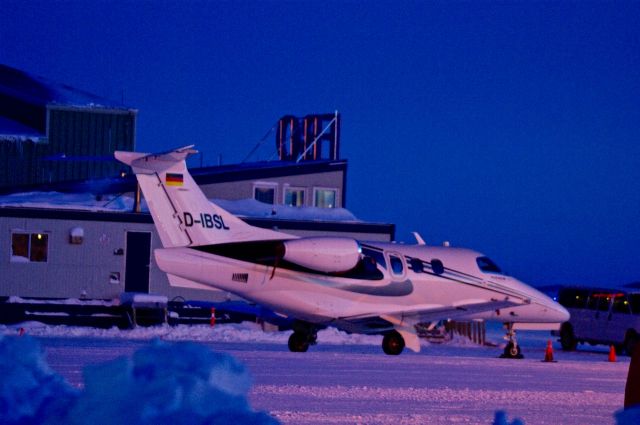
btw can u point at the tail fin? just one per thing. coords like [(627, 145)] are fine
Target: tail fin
[(182, 214)]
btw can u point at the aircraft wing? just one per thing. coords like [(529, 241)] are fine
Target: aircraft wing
[(462, 311), (404, 321), (420, 315)]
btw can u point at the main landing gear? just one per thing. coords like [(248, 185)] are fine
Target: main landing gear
[(392, 343), (302, 337), (512, 349)]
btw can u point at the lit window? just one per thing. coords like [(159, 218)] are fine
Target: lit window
[(29, 247), (294, 197), (325, 198), (265, 193)]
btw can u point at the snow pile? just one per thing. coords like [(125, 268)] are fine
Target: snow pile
[(501, 419), (334, 336), (242, 207), (72, 201), (629, 416), (241, 332), (161, 383), (29, 390)]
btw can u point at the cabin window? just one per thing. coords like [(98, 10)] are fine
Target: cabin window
[(294, 196), (487, 266), (376, 255), (437, 266), (265, 193), (416, 265), (29, 247), (325, 198), (396, 265)]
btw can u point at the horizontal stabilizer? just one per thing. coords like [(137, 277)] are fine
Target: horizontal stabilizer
[(181, 212), (146, 163)]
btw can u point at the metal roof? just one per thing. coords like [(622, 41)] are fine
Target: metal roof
[(25, 97)]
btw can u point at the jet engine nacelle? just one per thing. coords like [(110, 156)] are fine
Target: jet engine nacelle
[(323, 254)]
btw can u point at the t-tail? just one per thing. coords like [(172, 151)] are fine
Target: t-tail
[(181, 212)]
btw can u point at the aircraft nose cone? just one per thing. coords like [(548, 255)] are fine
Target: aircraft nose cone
[(561, 314)]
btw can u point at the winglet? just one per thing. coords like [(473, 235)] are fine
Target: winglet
[(419, 239)]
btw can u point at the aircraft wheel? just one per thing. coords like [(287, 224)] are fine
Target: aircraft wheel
[(298, 342), (393, 343), (512, 351), (567, 338)]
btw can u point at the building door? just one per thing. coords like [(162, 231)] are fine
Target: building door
[(136, 272)]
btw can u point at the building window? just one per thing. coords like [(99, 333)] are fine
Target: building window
[(294, 196), (325, 198), (265, 192), (29, 247)]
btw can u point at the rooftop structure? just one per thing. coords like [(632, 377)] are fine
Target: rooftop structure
[(51, 132)]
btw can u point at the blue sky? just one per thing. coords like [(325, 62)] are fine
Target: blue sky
[(509, 127)]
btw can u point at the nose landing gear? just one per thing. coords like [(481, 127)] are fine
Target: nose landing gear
[(512, 349)]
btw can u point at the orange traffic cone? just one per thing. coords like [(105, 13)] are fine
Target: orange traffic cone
[(548, 352), (612, 354), (213, 317)]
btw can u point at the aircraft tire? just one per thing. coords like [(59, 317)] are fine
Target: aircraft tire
[(512, 351), (393, 343), (567, 338), (298, 342)]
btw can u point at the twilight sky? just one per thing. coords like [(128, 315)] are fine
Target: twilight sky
[(509, 127)]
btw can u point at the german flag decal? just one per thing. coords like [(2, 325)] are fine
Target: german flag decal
[(173, 179)]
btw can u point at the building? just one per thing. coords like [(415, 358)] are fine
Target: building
[(51, 132), (75, 246), (82, 231)]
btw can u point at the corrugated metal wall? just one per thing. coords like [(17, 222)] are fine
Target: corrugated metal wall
[(87, 137), (20, 162), (88, 133)]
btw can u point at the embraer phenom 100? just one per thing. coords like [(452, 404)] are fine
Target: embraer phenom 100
[(359, 287)]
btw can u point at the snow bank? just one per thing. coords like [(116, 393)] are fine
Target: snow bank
[(72, 201), (241, 332), (241, 207), (501, 419), (629, 416), (30, 391), (161, 383)]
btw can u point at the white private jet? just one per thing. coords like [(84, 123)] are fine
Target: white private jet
[(359, 287)]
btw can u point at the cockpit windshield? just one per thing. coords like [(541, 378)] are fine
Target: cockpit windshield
[(487, 265)]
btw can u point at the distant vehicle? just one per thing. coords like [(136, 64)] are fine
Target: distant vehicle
[(359, 287), (600, 316)]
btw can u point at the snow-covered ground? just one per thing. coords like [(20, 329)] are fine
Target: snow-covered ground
[(346, 379)]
